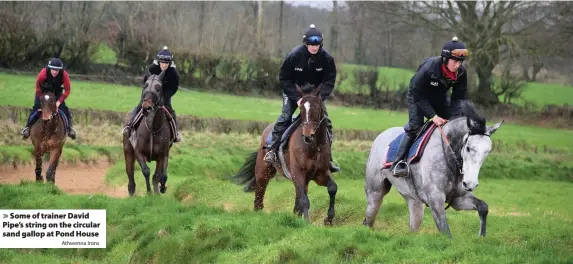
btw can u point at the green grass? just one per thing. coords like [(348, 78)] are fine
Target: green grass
[(91, 95), (205, 218), (546, 93)]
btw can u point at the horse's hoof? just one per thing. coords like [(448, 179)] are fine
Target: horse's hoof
[(328, 222), (162, 189)]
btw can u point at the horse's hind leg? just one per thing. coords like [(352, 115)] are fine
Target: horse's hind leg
[(263, 173), (470, 202), (38, 170), (375, 192), (416, 210), (54, 161)]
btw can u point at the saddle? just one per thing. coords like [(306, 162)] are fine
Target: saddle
[(416, 150), (139, 117)]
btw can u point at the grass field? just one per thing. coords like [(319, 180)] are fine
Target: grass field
[(204, 218), (18, 91)]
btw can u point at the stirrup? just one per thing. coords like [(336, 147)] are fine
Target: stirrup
[(268, 156), (407, 168)]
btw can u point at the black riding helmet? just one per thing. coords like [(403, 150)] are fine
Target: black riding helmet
[(454, 49), (312, 36), (55, 64), (164, 56)]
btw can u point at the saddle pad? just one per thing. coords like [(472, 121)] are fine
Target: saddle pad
[(416, 150)]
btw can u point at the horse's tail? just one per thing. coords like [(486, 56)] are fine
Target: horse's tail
[(247, 173)]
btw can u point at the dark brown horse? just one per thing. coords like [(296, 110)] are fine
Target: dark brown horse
[(151, 140), (48, 134), (306, 159)]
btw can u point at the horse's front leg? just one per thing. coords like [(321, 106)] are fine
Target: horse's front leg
[(38, 170), (158, 173), (163, 176), (436, 204), (54, 161), (469, 202), (332, 189), (302, 203), (144, 169)]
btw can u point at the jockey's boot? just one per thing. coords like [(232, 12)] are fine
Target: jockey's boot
[(333, 168), (177, 135), (271, 156), (127, 129), (71, 130), (399, 167), (25, 133), (31, 120)]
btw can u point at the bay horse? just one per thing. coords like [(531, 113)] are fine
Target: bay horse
[(307, 157), (150, 141), (447, 171), (48, 135)]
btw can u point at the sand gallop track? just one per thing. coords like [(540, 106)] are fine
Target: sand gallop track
[(72, 179)]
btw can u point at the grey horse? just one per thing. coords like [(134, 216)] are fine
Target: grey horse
[(445, 173)]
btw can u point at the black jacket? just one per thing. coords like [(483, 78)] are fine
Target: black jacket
[(170, 81), (429, 88), (299, 66)]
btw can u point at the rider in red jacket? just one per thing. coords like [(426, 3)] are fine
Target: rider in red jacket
[(55, 79)]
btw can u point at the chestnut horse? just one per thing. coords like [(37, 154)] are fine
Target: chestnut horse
[(306, 158), (48, 134)]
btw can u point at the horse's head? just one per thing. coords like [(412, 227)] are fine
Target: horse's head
[(476, 145), (152, 91), (48, 105), (311, 111)]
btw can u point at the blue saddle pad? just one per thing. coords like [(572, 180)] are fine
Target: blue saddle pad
[(416, 150)]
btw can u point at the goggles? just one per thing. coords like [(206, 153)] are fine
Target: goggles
[(459, 53), (314, 40), (164, 58)]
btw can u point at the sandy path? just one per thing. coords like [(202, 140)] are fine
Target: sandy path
[(72, 179)]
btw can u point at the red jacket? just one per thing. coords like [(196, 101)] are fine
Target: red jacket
[(54, 83)]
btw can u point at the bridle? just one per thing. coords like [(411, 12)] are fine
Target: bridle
[(307, 122)]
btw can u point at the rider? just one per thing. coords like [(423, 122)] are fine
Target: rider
[(428, 95), (308, 62), (51, 78), (170, 83)]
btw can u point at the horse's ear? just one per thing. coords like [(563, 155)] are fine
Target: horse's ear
[(317, 91), (298, 89), (161, 75), (147, 73), (492, 129)]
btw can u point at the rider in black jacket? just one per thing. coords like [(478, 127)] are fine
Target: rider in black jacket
[(311, 63), (428, 95), (170, 84)]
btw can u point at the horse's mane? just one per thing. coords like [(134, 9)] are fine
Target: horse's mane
[(467, 109)]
